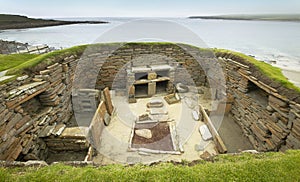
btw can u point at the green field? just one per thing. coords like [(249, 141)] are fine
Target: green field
[(245, 167)]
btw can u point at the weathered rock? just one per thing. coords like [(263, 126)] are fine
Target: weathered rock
[(58, 129), (145, 133), (205, 133), (155, 104), (33, 163), (181, 88), (144, 117), (269, 108), (195, 115)]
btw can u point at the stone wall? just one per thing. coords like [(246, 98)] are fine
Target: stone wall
[(8, 47), (112, 62), (267, 112), (42, 97), (30, 104)]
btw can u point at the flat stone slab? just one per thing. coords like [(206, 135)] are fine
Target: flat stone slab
[(155, 104), (205, 133), (18, 91), (163, 117), (3, 78), (2, 73), (195, 115), (140, 69), (58, 129), (160, 67), (75, 132), (47, 131), (158, 111)]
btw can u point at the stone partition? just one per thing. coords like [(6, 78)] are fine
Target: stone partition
[(268, 113)]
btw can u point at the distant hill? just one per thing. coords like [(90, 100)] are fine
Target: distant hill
[(18, 22), (267, 17)]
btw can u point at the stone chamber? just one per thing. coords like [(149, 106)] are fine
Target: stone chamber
[(60, 109)]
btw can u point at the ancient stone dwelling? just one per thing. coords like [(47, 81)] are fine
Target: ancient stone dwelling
[(37, 107)]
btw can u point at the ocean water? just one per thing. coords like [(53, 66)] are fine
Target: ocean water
[(268, 41)]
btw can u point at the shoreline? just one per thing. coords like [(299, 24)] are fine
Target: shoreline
[(292, 75), (270, 18), (46, 24), (8, 22)]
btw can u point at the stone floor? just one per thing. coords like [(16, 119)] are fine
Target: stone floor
[(115, 138), (233, 137)]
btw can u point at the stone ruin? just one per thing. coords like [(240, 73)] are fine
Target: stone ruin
[(37, 108)]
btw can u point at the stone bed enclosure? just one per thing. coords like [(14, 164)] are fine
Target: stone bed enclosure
[(36, 108)]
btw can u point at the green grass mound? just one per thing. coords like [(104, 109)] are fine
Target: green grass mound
[(244, 167), (46, 58), (18, 63), (13, 60), (270, 71)]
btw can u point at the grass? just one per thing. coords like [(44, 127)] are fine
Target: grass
[(48, 58), (268, 70), (13, 60), (16, 68), (244, 167)]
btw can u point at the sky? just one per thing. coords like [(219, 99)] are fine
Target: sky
[(145, 8)]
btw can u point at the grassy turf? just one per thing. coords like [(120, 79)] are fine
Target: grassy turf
[(245, 167), (270, 71), (46, 58), (13, 60)]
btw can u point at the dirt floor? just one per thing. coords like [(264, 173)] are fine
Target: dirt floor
[(66, 156), (233, 136), (161, 137)]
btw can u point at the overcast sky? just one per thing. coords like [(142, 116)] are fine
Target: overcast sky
[(145, 8)]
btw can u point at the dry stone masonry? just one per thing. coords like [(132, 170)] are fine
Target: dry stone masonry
[(267, 113), (36, 108)]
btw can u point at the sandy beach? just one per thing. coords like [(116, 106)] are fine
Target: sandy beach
[(293, 76)]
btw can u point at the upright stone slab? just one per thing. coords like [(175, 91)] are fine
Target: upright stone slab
[(131, 95), (151, 89), (108, 102)]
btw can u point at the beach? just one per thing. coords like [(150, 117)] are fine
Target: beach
[(293, 76)]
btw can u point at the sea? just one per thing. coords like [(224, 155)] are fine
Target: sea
[(274, 42)]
